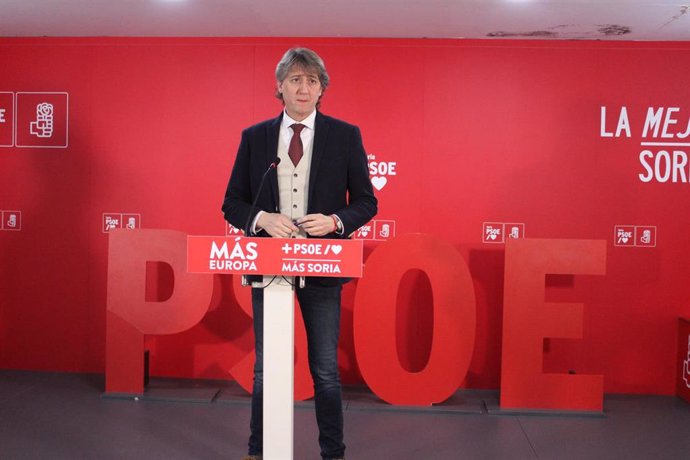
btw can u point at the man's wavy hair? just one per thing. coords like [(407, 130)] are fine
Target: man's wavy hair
[(306, 59)]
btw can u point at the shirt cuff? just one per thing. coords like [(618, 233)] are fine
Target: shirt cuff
[(253, 230)]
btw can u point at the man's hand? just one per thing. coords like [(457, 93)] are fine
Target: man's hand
[(317, 224), (277, 225)]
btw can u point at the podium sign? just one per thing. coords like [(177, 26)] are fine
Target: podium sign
[(274, 256)]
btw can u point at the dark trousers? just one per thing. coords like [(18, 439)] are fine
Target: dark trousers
[(320, 306)]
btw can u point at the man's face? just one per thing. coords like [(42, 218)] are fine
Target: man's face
[(301, 90)]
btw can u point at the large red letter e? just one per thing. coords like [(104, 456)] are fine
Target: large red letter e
[(528, 319)]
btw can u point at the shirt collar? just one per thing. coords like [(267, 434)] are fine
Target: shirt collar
[(308, 122)]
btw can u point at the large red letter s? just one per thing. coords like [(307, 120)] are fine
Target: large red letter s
[(130, 316), (528, 319)]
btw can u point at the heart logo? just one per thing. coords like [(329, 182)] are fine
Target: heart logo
[(336, 248), (379, 182)]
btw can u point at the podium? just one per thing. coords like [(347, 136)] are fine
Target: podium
[(283, 262)]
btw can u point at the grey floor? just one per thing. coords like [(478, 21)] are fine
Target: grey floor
[(66, 416)]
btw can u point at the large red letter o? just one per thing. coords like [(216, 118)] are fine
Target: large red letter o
[(374, 320)]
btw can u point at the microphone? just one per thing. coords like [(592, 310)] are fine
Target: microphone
[(271, 167)]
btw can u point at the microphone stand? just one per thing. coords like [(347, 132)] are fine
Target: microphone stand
[(272, 166)]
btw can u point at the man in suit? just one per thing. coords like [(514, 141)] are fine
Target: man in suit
[(320, 188)]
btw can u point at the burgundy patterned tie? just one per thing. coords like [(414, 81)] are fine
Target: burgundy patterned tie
[(295, 151)]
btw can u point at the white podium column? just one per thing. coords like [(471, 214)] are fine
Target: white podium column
[(279, 338)]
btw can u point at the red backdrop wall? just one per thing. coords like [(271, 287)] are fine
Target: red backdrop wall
[(476, 131)]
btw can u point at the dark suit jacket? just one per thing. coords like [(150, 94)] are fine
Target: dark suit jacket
[(338, 179)]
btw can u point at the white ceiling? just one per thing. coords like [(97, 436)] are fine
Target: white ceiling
[(550, 19)]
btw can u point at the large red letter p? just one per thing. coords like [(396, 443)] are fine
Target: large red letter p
[(130, 316)]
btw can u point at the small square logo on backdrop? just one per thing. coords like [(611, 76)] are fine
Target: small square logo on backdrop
[(111, 221), (493, 232), (42, 120), (114, 220), (12, 220), (365, 232), (624, 235), (131, 221), (385, 229), (514, 231), (645, 236)]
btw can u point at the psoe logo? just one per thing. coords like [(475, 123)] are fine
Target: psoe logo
[(241, 256), (646, 236), (113, 221), (376, 230), (385, 229), (514, 231), (624, 235), (365, 232), (42, 120), (380, 171), (493, 232), (11, 220), (640, 236), (42, 126)]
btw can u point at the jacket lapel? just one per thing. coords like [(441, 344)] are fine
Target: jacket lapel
[(318, 150), (271, 154)]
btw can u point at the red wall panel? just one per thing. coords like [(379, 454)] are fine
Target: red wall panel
[(476, 131)]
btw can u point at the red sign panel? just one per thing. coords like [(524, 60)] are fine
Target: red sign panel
[(6, 119), (42, 120), (274, 256)]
